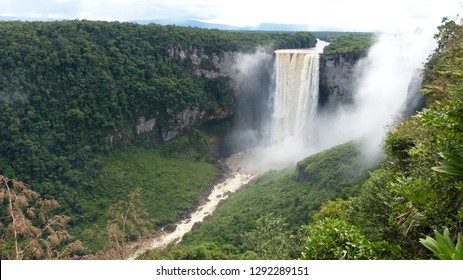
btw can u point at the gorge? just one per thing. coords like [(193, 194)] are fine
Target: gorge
[(293, 119), (286, 200), (94, 113), (295, 102)]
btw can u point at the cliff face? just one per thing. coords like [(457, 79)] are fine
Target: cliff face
[(249, 77), (189, 118), (211, 66), (200, 64), (337, 77)]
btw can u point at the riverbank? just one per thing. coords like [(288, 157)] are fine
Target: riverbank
[(231, 177), (164, 238)]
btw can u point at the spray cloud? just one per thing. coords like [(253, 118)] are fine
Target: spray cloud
[(385, 80), (252, 73)]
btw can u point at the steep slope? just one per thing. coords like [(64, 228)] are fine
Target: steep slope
[(420, 199)]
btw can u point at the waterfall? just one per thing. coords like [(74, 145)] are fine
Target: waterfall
[(296, 95), (290, 131)]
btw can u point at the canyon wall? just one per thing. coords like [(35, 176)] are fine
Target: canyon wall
[(337, 76)]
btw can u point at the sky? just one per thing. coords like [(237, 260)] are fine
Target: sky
[(350, 15)]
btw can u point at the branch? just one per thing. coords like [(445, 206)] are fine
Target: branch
[(13, 219)]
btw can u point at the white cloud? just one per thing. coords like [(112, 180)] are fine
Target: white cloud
[(346, 14)]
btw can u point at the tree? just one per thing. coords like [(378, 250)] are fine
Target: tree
[(335, 209), (126, 221), (28, 229), (271, 239), (332, 239)]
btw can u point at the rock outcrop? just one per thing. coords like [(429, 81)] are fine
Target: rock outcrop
[(145, 125), (202, 64), (209, 65), (337, 79)]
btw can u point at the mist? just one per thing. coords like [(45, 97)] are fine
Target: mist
[(387, 83), (253, 73), (387, 87)]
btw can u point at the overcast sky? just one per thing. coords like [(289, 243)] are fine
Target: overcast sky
[(355, 15)]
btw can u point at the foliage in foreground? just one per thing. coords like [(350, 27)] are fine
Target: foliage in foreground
[(126, 221), (203, 251), (28, 227), (443, 246), (271, 239), (332, 239)]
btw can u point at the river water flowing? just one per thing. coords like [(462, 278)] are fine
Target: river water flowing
[(237, 178)]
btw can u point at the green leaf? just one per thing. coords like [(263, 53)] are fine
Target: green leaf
[(443, 246), (453, 165)]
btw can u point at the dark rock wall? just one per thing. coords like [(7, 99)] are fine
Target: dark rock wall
[(337, 79)]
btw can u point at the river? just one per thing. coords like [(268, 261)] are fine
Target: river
[(238, 177)]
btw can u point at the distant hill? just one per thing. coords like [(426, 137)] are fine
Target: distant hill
[(188, 23), (201, 24), (260, 27), (8, 18)]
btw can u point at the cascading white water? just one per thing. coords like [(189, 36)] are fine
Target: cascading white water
[(295, 101), (296, 95)]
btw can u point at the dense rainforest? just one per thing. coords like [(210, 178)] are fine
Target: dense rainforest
[(72, 94), (351, 43), (409, 206)]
